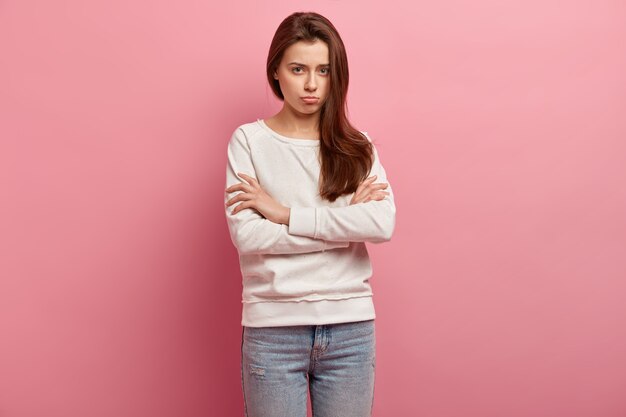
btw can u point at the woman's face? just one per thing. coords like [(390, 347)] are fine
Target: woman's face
[(304, 71)]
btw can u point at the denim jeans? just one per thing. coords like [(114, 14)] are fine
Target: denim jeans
[(336, 362)]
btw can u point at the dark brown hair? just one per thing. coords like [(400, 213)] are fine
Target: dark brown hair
[(346, 155)]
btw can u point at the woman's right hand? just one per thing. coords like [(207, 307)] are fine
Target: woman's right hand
[(367, 191)]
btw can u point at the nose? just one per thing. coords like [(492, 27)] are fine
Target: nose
[(311, 83)]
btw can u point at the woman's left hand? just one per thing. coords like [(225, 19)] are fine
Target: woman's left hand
[(253, 196)]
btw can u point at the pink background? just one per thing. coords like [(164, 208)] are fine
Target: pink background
[(502, 127)]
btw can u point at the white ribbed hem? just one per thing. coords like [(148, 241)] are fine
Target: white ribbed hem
[(302, 221), (296, 313)]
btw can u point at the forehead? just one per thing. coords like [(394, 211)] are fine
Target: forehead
[(305, 52)]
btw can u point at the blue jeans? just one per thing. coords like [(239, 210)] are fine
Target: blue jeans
[(335, 361)]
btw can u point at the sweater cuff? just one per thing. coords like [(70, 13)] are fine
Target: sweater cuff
[(302, 221)]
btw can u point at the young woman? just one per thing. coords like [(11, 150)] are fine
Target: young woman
[(301, 201)]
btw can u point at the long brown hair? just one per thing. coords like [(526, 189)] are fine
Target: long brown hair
[(346, 155)]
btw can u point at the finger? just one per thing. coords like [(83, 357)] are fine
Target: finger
[(250, 179), (364, 184), (375, 187), (360, 195), (359, 189), (357, 197), (240, 207), (241, 186), (233, 187), (361, 198), (382, 194), (379, 186), (379, 195), (238, 197), (367, 181), (375, 195)]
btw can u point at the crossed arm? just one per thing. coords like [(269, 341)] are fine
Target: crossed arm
[(300, 229)]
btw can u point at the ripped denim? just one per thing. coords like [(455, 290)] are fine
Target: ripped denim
[(335, 362)]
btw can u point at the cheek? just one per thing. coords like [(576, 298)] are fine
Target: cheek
[(290, 84), (326, 86)]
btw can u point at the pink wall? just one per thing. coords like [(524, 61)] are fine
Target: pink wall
[(501, 124)]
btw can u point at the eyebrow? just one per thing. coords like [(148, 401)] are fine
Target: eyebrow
[(302, 65)]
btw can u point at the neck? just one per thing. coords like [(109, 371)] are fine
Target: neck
[(298, 122)]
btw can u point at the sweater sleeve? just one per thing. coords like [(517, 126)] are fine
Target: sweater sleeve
[(372, 221), (250, 232)]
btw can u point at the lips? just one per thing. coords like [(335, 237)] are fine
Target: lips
[(310, 99)]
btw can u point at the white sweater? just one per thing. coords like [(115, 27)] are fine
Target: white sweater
[(316, 270)]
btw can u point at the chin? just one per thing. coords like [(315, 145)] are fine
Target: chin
[(311, 111)]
